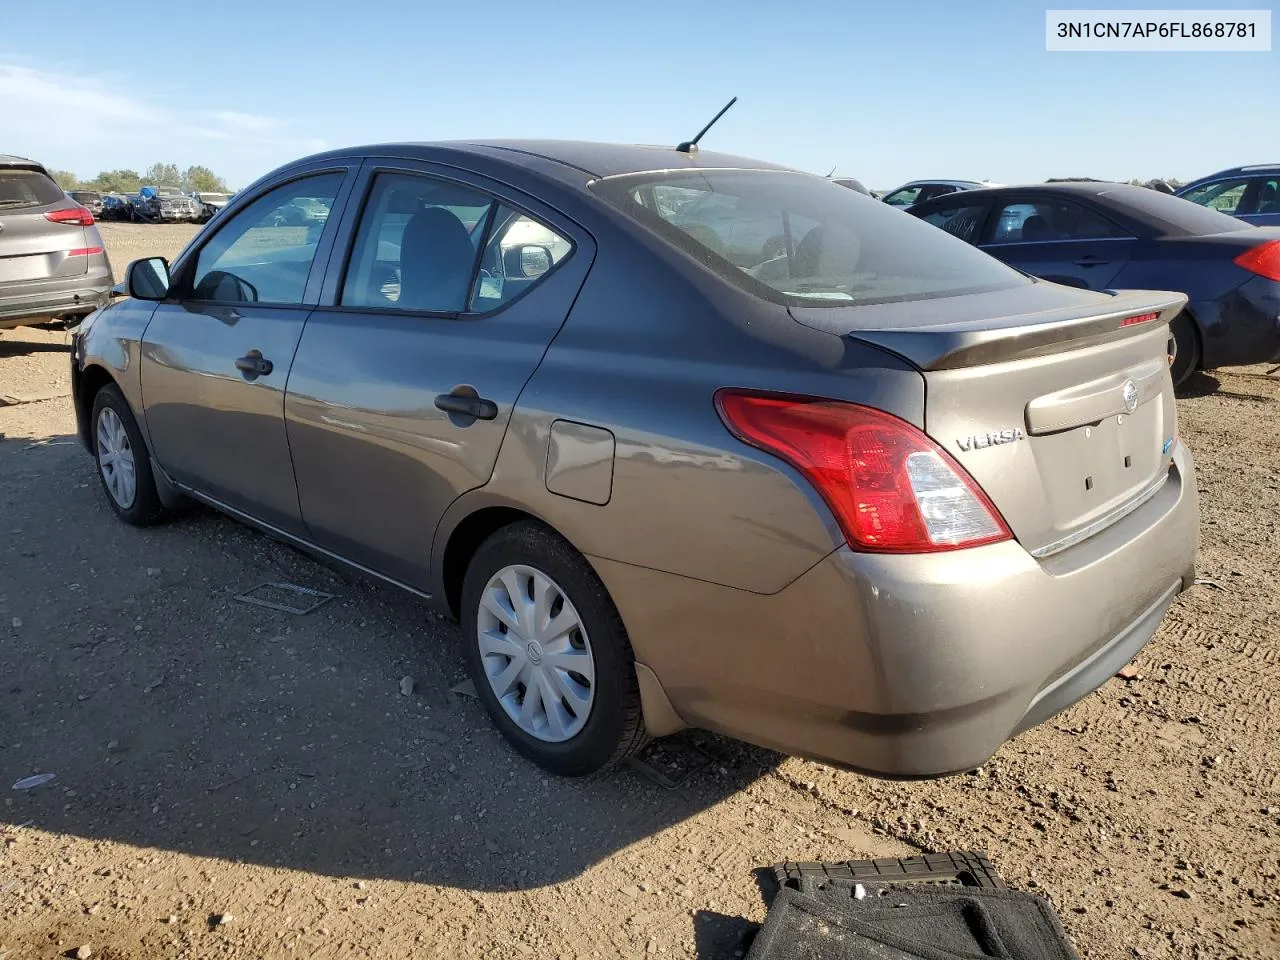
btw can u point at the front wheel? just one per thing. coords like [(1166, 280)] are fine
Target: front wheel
[(124, 466), (548, 653)]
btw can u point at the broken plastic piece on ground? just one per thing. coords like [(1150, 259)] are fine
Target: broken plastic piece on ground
[(30, 783)]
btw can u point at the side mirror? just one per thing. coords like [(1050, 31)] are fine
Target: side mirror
[(147, 279), (527, 260)]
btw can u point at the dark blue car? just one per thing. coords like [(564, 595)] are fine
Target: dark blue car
[(1107, 236), (1250, 193)]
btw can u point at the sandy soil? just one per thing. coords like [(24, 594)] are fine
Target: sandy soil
[(235, 781)]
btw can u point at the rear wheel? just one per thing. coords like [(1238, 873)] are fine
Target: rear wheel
[(1186, 338), (124, 466), (548, 653)]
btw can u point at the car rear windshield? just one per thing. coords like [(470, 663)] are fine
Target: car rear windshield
[(1172, 216), (85, 196), (802, 240), (27, 188)]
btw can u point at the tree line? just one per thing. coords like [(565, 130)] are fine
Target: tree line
[(196, 178)]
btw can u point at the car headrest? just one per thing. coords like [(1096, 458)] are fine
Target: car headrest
[(435, 262)]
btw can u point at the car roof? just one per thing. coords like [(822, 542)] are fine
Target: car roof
[(1248, 170), (9, 160), (950, 183), (571, 160)]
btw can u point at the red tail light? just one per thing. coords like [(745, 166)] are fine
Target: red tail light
[(1264, 260), (1140, 318), (77, 215), (84, 251), (891, 488)]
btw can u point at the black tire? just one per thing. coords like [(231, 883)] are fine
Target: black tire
[(1187, 339), (614, 729), (146, 508)]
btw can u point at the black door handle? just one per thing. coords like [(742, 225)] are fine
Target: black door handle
[(464, 406), (1091, 262), (254, 365)]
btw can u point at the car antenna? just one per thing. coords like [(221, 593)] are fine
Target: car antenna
[(691, 145), (831, 171)]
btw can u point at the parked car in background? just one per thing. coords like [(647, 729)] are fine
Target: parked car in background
[(209, 203), (846, 500), (52, 262), (116, 206), (91, 200), (918, 191), (162, 203), (1105, 236), (852, 184), (1251, 194)]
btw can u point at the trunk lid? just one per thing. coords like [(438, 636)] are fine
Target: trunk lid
[(33, 248), (1061, 410)]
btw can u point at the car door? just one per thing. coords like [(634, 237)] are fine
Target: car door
[(1260, 204), (438, 306), (1058, 239), (217, 352)]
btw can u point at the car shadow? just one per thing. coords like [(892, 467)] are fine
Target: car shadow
[(1199, 384), (11, 346), (719, 936), (175, 716)]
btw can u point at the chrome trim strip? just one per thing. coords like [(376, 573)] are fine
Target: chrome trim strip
[(1104, 521)]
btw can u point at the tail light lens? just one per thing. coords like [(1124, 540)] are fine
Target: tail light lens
[(76, 215), (1264, 260), (84, 251), (891, 488)]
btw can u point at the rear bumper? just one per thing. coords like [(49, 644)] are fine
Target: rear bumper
[(914, 666), (1243, 327), (45, 300)]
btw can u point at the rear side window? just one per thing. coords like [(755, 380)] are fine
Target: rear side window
[(1046, 221), (963, 222), (803, 240), (27, 188), (518, 253), (416, 245)]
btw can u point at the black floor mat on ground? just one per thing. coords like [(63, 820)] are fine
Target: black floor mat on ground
[(938, 923)]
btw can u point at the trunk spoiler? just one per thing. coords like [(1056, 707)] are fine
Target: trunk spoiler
[(1018, 335)]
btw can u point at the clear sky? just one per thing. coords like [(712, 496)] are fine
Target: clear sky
[(882, 91)]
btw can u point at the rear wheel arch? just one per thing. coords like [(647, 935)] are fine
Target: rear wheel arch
[(465, 539), (1183, 326)]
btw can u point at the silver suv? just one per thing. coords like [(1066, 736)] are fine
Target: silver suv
[(52, 262)]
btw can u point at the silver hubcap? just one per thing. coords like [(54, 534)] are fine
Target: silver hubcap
[(536, 654), (115, 459)]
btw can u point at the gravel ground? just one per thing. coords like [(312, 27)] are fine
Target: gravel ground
[(232, 780)]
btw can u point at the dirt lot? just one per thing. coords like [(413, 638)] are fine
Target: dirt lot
[(218, 761)]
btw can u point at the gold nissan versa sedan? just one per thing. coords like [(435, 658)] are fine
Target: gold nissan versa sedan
[(680, 438)]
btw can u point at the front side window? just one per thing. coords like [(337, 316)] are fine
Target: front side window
[(904, 197), (1221, 195), (416, 245), (963, 222), (803, 240), (1045, 221), (264, 253)]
